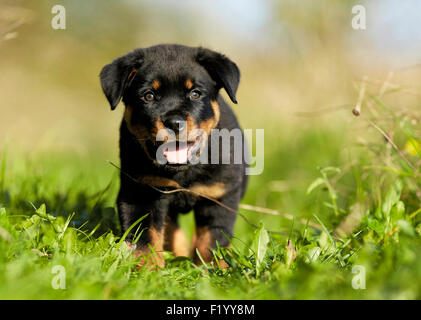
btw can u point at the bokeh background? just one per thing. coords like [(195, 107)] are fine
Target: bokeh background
[(303, 67), (293, 58)]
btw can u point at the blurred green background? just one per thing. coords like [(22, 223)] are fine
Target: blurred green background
[(293, 58), (303, 68)]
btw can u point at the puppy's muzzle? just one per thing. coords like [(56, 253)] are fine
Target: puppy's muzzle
[(176, 124)]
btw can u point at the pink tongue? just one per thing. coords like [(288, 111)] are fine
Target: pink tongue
[(177, 155)]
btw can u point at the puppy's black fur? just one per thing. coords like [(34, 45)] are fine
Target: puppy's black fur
[(157, 85)]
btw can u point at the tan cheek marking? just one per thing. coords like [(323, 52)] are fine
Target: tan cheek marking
[(188, 84), (216, 111), (191, 124), (156, 84), (216, 190), (128, 115), (139, 131), (207, 125), (159, 125), (211, 123)]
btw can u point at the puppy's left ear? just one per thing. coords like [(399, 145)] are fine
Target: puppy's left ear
[(221, 69), (116, 76)]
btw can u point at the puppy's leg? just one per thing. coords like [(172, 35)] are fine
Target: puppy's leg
[(212, 221), (150, 244), (175, 239)]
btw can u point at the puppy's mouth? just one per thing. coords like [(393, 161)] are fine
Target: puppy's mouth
[(175, 152), (180, 152)]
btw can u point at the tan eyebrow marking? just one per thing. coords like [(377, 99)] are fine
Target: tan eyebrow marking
[(156, 84), (188, 84)]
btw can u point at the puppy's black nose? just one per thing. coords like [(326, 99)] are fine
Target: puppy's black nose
[(175, 123)]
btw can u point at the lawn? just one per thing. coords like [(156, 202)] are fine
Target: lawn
[(336, 212), (345, 220)]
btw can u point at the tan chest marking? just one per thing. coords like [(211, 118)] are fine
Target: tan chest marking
[(216, 190), (159, 182)]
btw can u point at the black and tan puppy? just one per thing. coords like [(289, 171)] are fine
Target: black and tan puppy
[(174, 87)]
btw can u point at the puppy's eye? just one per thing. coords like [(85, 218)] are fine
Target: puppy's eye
[(149, 96), (195, 94)]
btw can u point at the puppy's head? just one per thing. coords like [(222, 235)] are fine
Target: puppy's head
[(170, 93)]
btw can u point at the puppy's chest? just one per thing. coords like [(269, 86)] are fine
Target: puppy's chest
[(182, 202)]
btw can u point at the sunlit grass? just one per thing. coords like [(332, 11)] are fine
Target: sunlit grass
[(355, 199)]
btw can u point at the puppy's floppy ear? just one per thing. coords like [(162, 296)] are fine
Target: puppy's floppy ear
[(116, 76), (221, 69)]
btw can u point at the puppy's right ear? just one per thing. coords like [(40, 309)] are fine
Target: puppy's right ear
[(116, 76)]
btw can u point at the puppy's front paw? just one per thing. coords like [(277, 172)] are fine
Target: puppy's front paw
[(150, 259)]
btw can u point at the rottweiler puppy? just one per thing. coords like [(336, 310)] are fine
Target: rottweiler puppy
[(175, 89)]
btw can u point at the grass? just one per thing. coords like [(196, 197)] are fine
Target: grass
[(352, 188)]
